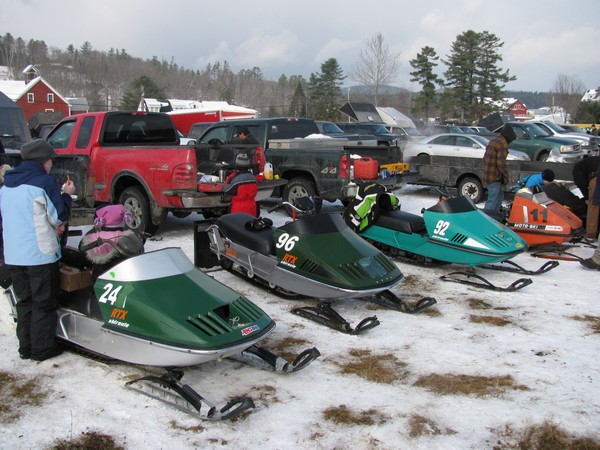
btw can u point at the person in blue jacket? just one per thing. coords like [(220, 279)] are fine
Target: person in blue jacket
[(537, 179), (33, 210)]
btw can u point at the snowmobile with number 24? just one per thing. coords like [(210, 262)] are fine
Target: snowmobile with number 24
[(157, 309)]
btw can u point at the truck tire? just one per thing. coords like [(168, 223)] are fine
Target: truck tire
[(135, 200), (300, 187), (472, 188)]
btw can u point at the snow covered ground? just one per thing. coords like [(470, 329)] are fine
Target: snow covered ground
[(519, 359)]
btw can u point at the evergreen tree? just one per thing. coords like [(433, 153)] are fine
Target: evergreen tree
[(138, 88), (324, 91), (298, 102), (473, 73), (423, 74)]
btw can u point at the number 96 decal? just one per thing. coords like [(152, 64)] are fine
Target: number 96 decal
[(286, 242)]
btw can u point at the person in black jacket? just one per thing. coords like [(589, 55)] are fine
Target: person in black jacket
[(584, 177), (593, 262)]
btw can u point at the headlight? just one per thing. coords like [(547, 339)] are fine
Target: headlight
[(566, 148)]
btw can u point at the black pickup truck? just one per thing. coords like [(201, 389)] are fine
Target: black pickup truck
[(321, 167), (466, 174)]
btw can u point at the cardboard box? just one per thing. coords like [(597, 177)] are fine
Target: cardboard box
[(72, 279)]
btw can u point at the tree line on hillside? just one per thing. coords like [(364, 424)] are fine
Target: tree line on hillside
[(116, 80)]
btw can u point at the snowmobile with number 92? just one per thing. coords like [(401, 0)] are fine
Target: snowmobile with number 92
[(157, 309)]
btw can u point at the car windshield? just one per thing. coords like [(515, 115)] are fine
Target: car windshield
[(329, 127), (480, 139), (534, 130), (378, 129), (555, 127)]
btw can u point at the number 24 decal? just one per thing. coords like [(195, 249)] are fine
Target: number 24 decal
[(441, 227), (110, 295)]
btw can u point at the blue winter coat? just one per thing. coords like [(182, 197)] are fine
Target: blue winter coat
[(32, 206)]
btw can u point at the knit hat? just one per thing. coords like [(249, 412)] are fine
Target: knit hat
[(242, 161), (37, 150), (508, 133), (112, 217)]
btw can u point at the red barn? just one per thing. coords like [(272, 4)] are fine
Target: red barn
[(34, 95), (519, 110)]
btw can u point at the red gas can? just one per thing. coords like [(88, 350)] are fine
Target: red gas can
[(366, 169)]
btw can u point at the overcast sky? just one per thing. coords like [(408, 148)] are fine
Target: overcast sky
[(541, 39)]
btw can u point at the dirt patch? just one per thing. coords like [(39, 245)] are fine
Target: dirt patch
[(490, 320), (477, 303), (380, 368), (88, 441), (593, 322), (423, 426), (343, 415), (17, 391), (479, 386), (546, 436)]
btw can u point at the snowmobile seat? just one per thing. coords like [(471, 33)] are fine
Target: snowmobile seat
[(402, 221), (234, 227)]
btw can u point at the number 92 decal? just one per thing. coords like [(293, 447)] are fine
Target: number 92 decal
[(441, 227)]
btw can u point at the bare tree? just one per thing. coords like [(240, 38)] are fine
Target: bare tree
[(567, 92), (376, 66)]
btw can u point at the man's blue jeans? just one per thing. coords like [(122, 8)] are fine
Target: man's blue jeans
[(495, 196)]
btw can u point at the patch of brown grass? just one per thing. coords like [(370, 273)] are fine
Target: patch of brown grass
[(420, 426), (15, 392), (195, 428), (490, 320), (385, 369), (343, 415), (593, 321), (546, 436), (479, 386), (88, 441), (477, 303), (286, 346)]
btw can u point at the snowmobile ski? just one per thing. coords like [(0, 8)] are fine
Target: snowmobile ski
[(557, 254), (263, 358), (473, 279), (511, 266), (324, 314), (391, 301), (168, 389)]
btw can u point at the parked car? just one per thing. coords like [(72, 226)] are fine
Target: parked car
[(383, 136), (482, 131), (332, 130), (183, 140), (409, 133), (455, 144), (430, 130), (589, 143), (542, 146)]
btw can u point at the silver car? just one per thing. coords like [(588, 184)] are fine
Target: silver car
[(455, 144)]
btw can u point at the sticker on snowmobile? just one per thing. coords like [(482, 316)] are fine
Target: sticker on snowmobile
[(110, 295), (249, 330), (286, 242), (533, 226), (441, 227), (117, 316), (230, 252), (289, 260)]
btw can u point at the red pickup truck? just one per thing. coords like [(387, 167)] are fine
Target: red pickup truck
[(137, 161)]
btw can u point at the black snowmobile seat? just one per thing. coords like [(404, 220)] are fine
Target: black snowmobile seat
[(402, 221), (234, 227)]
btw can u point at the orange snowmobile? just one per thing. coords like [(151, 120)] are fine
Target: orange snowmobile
[(541, 221)]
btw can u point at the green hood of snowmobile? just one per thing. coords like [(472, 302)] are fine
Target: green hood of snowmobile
[(188, 309), (345, 260)]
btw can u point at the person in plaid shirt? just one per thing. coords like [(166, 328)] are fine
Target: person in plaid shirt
[(495, 173)]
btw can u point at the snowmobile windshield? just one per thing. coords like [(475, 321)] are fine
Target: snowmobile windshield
[(319, 224), (454, 205)]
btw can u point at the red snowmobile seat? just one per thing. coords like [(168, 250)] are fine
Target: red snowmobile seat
[(234, 227), (402, 221)]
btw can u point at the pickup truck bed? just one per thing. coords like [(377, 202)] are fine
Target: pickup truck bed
[(466, 174)]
